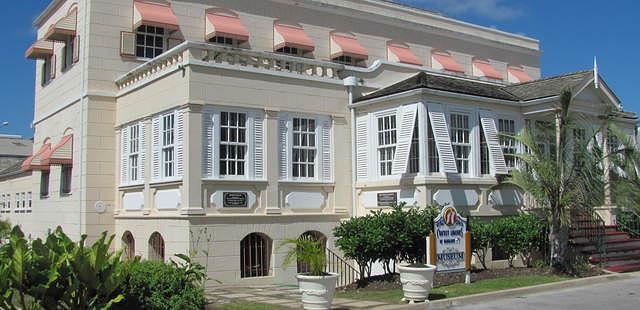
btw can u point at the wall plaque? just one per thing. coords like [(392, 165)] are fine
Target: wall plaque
[(234, 200), (387, 199)]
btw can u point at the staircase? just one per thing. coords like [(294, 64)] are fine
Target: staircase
[(611, 247)]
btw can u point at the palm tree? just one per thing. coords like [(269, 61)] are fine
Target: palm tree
[(562, 182)]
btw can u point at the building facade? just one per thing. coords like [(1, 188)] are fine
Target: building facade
[(220, 128)]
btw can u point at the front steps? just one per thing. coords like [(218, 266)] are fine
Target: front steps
[(621, 252)]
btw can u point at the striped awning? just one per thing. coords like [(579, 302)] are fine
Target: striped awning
[(291, 36), (517, 75), (39, 50), (225, 24), (444, 61), (154, 14), (64, 28), (401, 53), (61, 154), (346, 44), (483, 68), (34, 162)]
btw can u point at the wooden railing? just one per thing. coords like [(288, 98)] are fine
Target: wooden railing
[(336, 264), (193, 53)]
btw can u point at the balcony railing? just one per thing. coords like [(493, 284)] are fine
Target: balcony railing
[(193, 53)]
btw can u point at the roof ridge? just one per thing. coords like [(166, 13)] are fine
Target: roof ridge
[(550, 77)]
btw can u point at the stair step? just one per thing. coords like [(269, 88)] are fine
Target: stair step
[(608, 233), (627, 257), (623, 268)]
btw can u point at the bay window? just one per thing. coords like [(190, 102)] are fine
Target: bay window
[(460, 141), (386, 143)]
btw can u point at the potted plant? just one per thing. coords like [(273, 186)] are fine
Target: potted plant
[(416, 280), (317, 286)]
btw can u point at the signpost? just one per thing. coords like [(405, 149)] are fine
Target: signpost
[(449, 245)]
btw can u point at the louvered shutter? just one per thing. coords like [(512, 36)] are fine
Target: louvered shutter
[(155, 148), (207, 145), (325, 137), (362, 146), (142, 151), (497, 165), (258, 145), (127, 44), (283, 148), (408, 115), (179, 143), (52, 69), (442, 139), (76, 49), (124, 155)]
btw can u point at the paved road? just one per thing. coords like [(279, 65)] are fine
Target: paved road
[(614, 295)]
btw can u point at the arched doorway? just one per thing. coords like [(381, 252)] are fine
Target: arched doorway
[(128, 246), (255, 255), (316, 236), (156, 247)]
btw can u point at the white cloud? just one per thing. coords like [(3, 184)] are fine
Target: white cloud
[(492, 9)]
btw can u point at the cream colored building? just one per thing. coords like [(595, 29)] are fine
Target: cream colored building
[(220, 128)]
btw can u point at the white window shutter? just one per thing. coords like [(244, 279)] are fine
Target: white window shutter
[(441, 136), (127, 43), (283, 149), (124, 155), (155, 166), (258, 145), (362, 146), (497, 164), (207, 145), (179, 142), (142, 150), (325, 136), (405, 134)]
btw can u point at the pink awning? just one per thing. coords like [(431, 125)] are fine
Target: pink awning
[(517, 75), (61, 154), (346, 44), (291, 36), (485, 69), (34, 162), (444, 61), (402, 53), (154, 14), (64, 28), (225, 24), (40, 49)]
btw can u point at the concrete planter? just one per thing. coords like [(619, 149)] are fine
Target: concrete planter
[(317, 291), (416, 282)]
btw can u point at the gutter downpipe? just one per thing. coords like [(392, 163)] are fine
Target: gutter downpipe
[(350, 82)]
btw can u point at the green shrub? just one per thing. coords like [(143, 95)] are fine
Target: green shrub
[(480, 240), (157, 285), (517, 235)]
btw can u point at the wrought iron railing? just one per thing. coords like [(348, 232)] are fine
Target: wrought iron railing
[(628, 221), (591, 227), (336, 264)]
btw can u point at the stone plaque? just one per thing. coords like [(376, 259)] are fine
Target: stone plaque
[(235, 200), (387, 199)]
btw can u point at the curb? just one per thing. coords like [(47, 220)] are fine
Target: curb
[(477, 298)]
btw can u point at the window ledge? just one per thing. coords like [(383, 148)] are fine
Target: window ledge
[(306, 183), (131, 186), (173, 181), (233, 180)]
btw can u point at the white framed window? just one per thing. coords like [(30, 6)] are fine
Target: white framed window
[(223, 41), (134, 149), (433, 159), (293, 51), (484, 153), (3, 203), (29, 200), (387, 138), (18, 208), (150, 41), (168, 140), (304, 148), (349, 60), (460, 131), (47, 67), (507, 129), (67, 53), (8, 202), (233, 143), (414, 153)]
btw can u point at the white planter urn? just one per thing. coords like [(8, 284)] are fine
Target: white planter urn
[(317, 291), (416, 281)]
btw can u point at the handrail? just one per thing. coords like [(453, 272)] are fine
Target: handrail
[(336, 264), (593, 227), (628, 221)]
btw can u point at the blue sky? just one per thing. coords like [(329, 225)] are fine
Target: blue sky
[(571, 33)]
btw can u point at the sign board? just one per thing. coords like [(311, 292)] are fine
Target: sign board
[(387, 199), (450, 242), (234, 200)]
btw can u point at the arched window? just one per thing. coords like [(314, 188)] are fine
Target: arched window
[(316, 236), (128, 246), (255, 255), (156, 247)]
